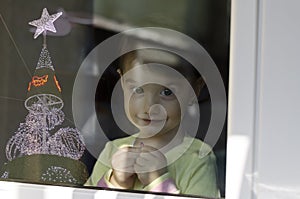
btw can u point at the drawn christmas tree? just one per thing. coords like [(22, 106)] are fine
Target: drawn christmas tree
[(34, 152)]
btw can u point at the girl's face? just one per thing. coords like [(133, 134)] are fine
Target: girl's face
[(151, 100)]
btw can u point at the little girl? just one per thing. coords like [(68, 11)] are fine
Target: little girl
[(161, 156)]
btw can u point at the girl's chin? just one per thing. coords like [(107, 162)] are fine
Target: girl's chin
[(146, 132)]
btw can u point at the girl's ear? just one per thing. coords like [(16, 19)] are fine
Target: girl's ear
[(198, 85), (119, 72), (121, 77)]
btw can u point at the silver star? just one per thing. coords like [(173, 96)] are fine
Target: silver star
[(45, 23)]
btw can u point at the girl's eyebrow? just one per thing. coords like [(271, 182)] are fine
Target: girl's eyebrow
[(172, 85), (130, 80), (169, 85)]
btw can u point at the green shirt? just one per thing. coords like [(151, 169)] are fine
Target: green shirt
[(192, 165)]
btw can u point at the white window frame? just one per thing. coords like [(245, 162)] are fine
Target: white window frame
[(242, 106)]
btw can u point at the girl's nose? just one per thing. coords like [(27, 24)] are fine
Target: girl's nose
[(150, 100)]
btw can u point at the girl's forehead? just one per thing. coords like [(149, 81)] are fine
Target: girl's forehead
[(144, 56), (152, 73), (150, 57)]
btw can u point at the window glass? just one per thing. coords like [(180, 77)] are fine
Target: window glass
[(115, 94)]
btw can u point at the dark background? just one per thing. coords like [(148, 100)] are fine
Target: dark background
[(206, 21)]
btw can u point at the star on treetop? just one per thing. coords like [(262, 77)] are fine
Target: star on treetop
[(45, 23)]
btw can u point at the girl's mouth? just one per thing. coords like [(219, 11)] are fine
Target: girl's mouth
[(154, 121)]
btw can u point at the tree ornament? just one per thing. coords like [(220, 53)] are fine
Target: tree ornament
[(45, 23), (44, 104)]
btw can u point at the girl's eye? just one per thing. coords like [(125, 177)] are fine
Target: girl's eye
[(138, 90), (166, 92)]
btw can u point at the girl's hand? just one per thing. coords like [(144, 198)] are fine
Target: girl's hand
[(150, 164), (123, 162)]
